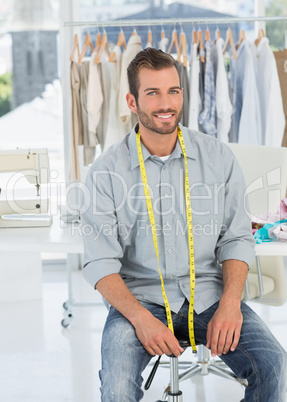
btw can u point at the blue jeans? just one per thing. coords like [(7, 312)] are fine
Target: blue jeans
[(258, 357)]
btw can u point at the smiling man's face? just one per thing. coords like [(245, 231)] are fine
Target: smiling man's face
[(160, 100)]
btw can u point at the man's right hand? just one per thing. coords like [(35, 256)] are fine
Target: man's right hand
[(156, 337)]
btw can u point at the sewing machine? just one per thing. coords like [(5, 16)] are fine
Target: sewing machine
[(24, 211)]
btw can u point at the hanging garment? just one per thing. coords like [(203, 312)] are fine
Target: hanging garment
[(281, 61), (105, 78), (94, 100), (207, 116), (134, 46), (89, 151), (246, 119), (270, 98), (77, 125), (185, 85), (115, 130), (162, 44), (223, 103), (194, 97)]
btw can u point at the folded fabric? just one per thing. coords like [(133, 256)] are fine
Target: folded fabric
[(272, 217), (272, 231)]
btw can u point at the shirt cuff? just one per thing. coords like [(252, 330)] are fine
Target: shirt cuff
[(237, 251), (93, 271)]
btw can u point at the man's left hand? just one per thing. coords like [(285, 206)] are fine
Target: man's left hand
[(223, 330)]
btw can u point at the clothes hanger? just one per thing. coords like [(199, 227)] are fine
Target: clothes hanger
[(217, 34), (200, 45), (162, 33), (183, 47), (149, 36), (174, 42), (98, 41), (194, 36), (229, 40), (261, 34), (207, 34), (104, 44), (134, 32), (121, 42), (242, 37), (75, 48), (88, 43)]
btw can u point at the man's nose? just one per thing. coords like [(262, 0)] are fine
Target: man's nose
[(165, 102)]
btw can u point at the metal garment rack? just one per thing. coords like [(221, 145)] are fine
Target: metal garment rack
[(66, 44), (171, 21)]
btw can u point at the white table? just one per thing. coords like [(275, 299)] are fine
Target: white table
[(60, 237), (21, 265), (277, 248)]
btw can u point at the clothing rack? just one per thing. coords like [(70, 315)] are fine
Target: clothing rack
[(170, 21)]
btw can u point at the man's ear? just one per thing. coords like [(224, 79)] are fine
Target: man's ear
[(131, 102)]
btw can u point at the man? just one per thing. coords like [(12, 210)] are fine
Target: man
[(140, 210)]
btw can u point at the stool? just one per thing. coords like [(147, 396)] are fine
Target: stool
[(203, 366)]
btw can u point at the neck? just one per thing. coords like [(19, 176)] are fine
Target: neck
[(158, 144)]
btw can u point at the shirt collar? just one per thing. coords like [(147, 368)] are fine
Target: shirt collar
[(177, 152)]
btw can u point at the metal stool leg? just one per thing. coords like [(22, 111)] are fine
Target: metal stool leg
[(174, 395)]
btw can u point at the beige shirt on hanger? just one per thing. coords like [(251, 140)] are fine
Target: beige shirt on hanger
[(94, 100), (77, 124), (89, 151), (134, 46), (115, 130), (105, 78)]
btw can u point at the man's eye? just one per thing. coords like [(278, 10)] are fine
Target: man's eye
[(151, 93), (174, 91)]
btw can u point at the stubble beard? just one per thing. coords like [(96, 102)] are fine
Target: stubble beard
[(148, 123)]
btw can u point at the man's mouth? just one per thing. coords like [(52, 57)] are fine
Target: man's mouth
[(164, 116)]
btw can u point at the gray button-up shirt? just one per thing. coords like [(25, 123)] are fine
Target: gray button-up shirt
[(117, 231)]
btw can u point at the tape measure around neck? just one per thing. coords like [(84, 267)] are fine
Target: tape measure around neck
[(190, 237)]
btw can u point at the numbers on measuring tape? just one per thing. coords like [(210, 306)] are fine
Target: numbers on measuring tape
[(190, 237)]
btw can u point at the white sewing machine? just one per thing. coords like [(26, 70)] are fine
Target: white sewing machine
[(23, 211)]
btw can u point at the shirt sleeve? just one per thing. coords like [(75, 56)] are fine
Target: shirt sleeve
[(236, 240), (100, 228)]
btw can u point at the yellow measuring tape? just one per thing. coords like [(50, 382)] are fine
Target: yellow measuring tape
[(190, 237)]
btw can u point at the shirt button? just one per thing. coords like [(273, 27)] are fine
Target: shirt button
[(166, 195), (164, 167), (169, 250)]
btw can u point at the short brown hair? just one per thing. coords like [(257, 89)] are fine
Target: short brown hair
[(154, 59)]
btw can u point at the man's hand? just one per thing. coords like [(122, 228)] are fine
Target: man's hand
[(155, 337), (223, 330)]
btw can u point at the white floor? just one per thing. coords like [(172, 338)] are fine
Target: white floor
[(42, 362)]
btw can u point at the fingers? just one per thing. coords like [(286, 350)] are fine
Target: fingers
[(161, 342), (162, 347), (236, 338), (222, 339)]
